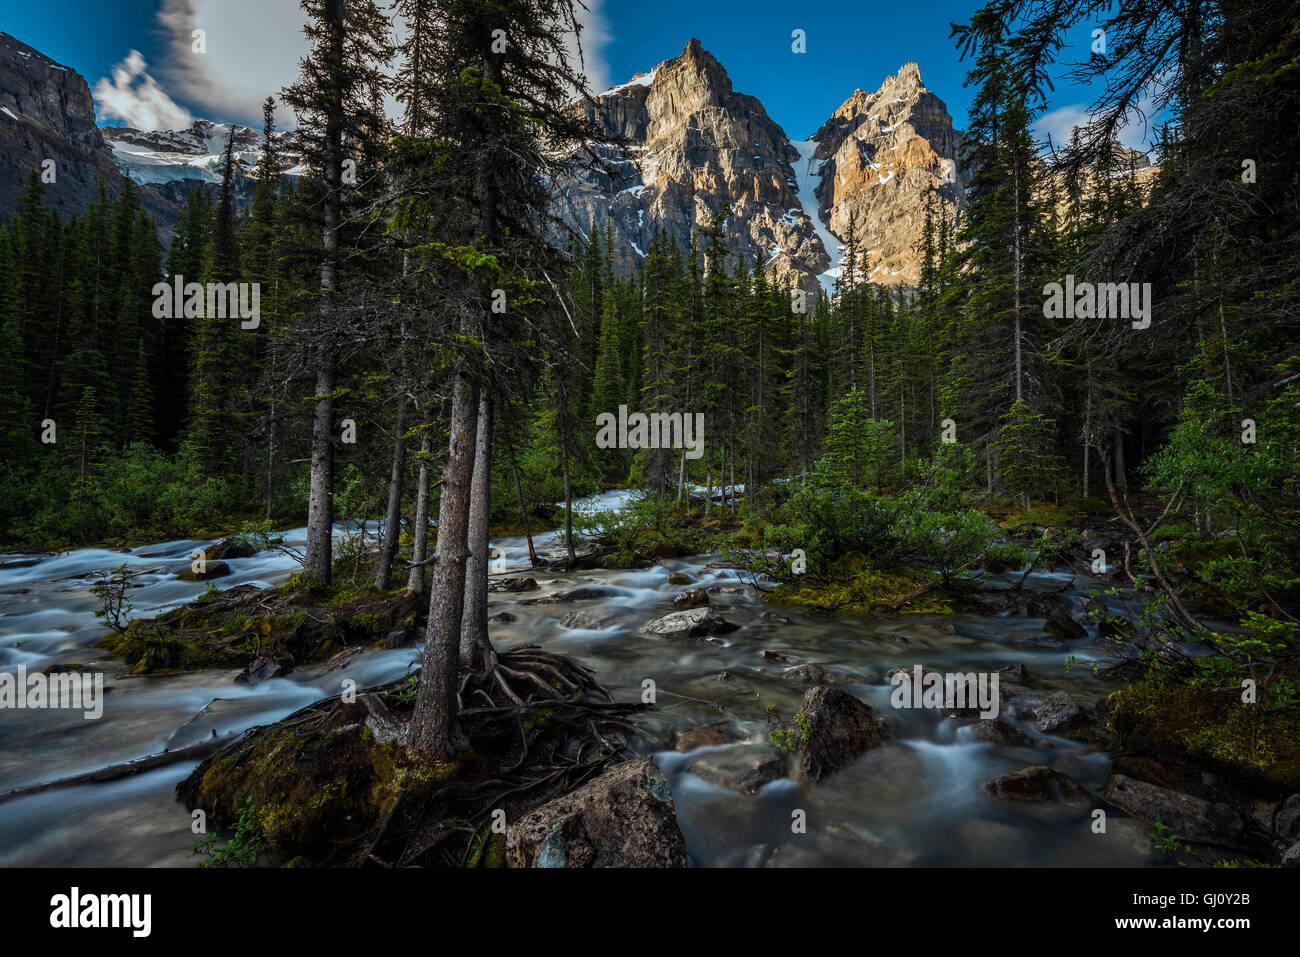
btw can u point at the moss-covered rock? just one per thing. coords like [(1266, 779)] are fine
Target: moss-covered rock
[(1171, 712)]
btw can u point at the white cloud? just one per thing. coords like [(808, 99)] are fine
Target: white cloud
[(1061, 122), (594, 38), (132, 95), (252, 49), (1134, 131)]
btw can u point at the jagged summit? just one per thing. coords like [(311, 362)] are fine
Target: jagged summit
[(695, 144)]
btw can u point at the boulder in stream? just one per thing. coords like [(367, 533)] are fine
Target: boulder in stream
[(211, 570), (831, 729), (623, 818), (1060, 623), (1039, 785), (1002, 733), (692, 598), (1059, 714), (513, 584), (694, 623), (229, 548), (262, 669)]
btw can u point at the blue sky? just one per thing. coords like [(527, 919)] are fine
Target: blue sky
[(253, 47)]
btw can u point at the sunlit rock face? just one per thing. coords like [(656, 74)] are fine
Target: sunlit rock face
[(692, 144)]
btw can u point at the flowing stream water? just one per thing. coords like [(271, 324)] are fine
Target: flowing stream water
[(916, 800)]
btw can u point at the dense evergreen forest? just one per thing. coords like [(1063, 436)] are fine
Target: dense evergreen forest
[(432, 345)]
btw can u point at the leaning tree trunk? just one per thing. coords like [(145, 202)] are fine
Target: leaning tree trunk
[(435, 726), (393, 516), (474, 630), (415, 580)]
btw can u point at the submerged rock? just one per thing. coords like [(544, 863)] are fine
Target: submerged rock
[(594, 619), (695, 623), (832, 728), (709, 736), (623, 818), (586, 593), (744, 770)]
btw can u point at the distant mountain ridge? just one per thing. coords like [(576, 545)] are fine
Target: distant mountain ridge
[(693, 145)]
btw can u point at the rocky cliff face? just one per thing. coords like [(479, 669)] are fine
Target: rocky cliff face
[(47, 113), (693, 145), (883, 154)]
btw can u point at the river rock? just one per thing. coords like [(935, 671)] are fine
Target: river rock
[(831, 729), (399, 638), (1017, 673), (809, 673), (1001, 733), (1040, 785), (229, 548), (680, 578), (1185, 814), (342, 660), (1059, 714), (744, 770), (594, 619), (709, 736), (262, 669), (695, 623), (211, 570), (502, 618), (1060, 623), (586, 593), (694, 598), (513, 584), (623, 818), (1286, 823), (1292, 857)]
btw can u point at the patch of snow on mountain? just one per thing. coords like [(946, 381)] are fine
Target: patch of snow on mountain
[(807, 171), (644, 79)]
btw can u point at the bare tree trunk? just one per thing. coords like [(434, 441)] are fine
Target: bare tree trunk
[(393, 516), (435, 726), (320, 504), (474, 630), (523, 509), (571, 557), (415, 580)]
